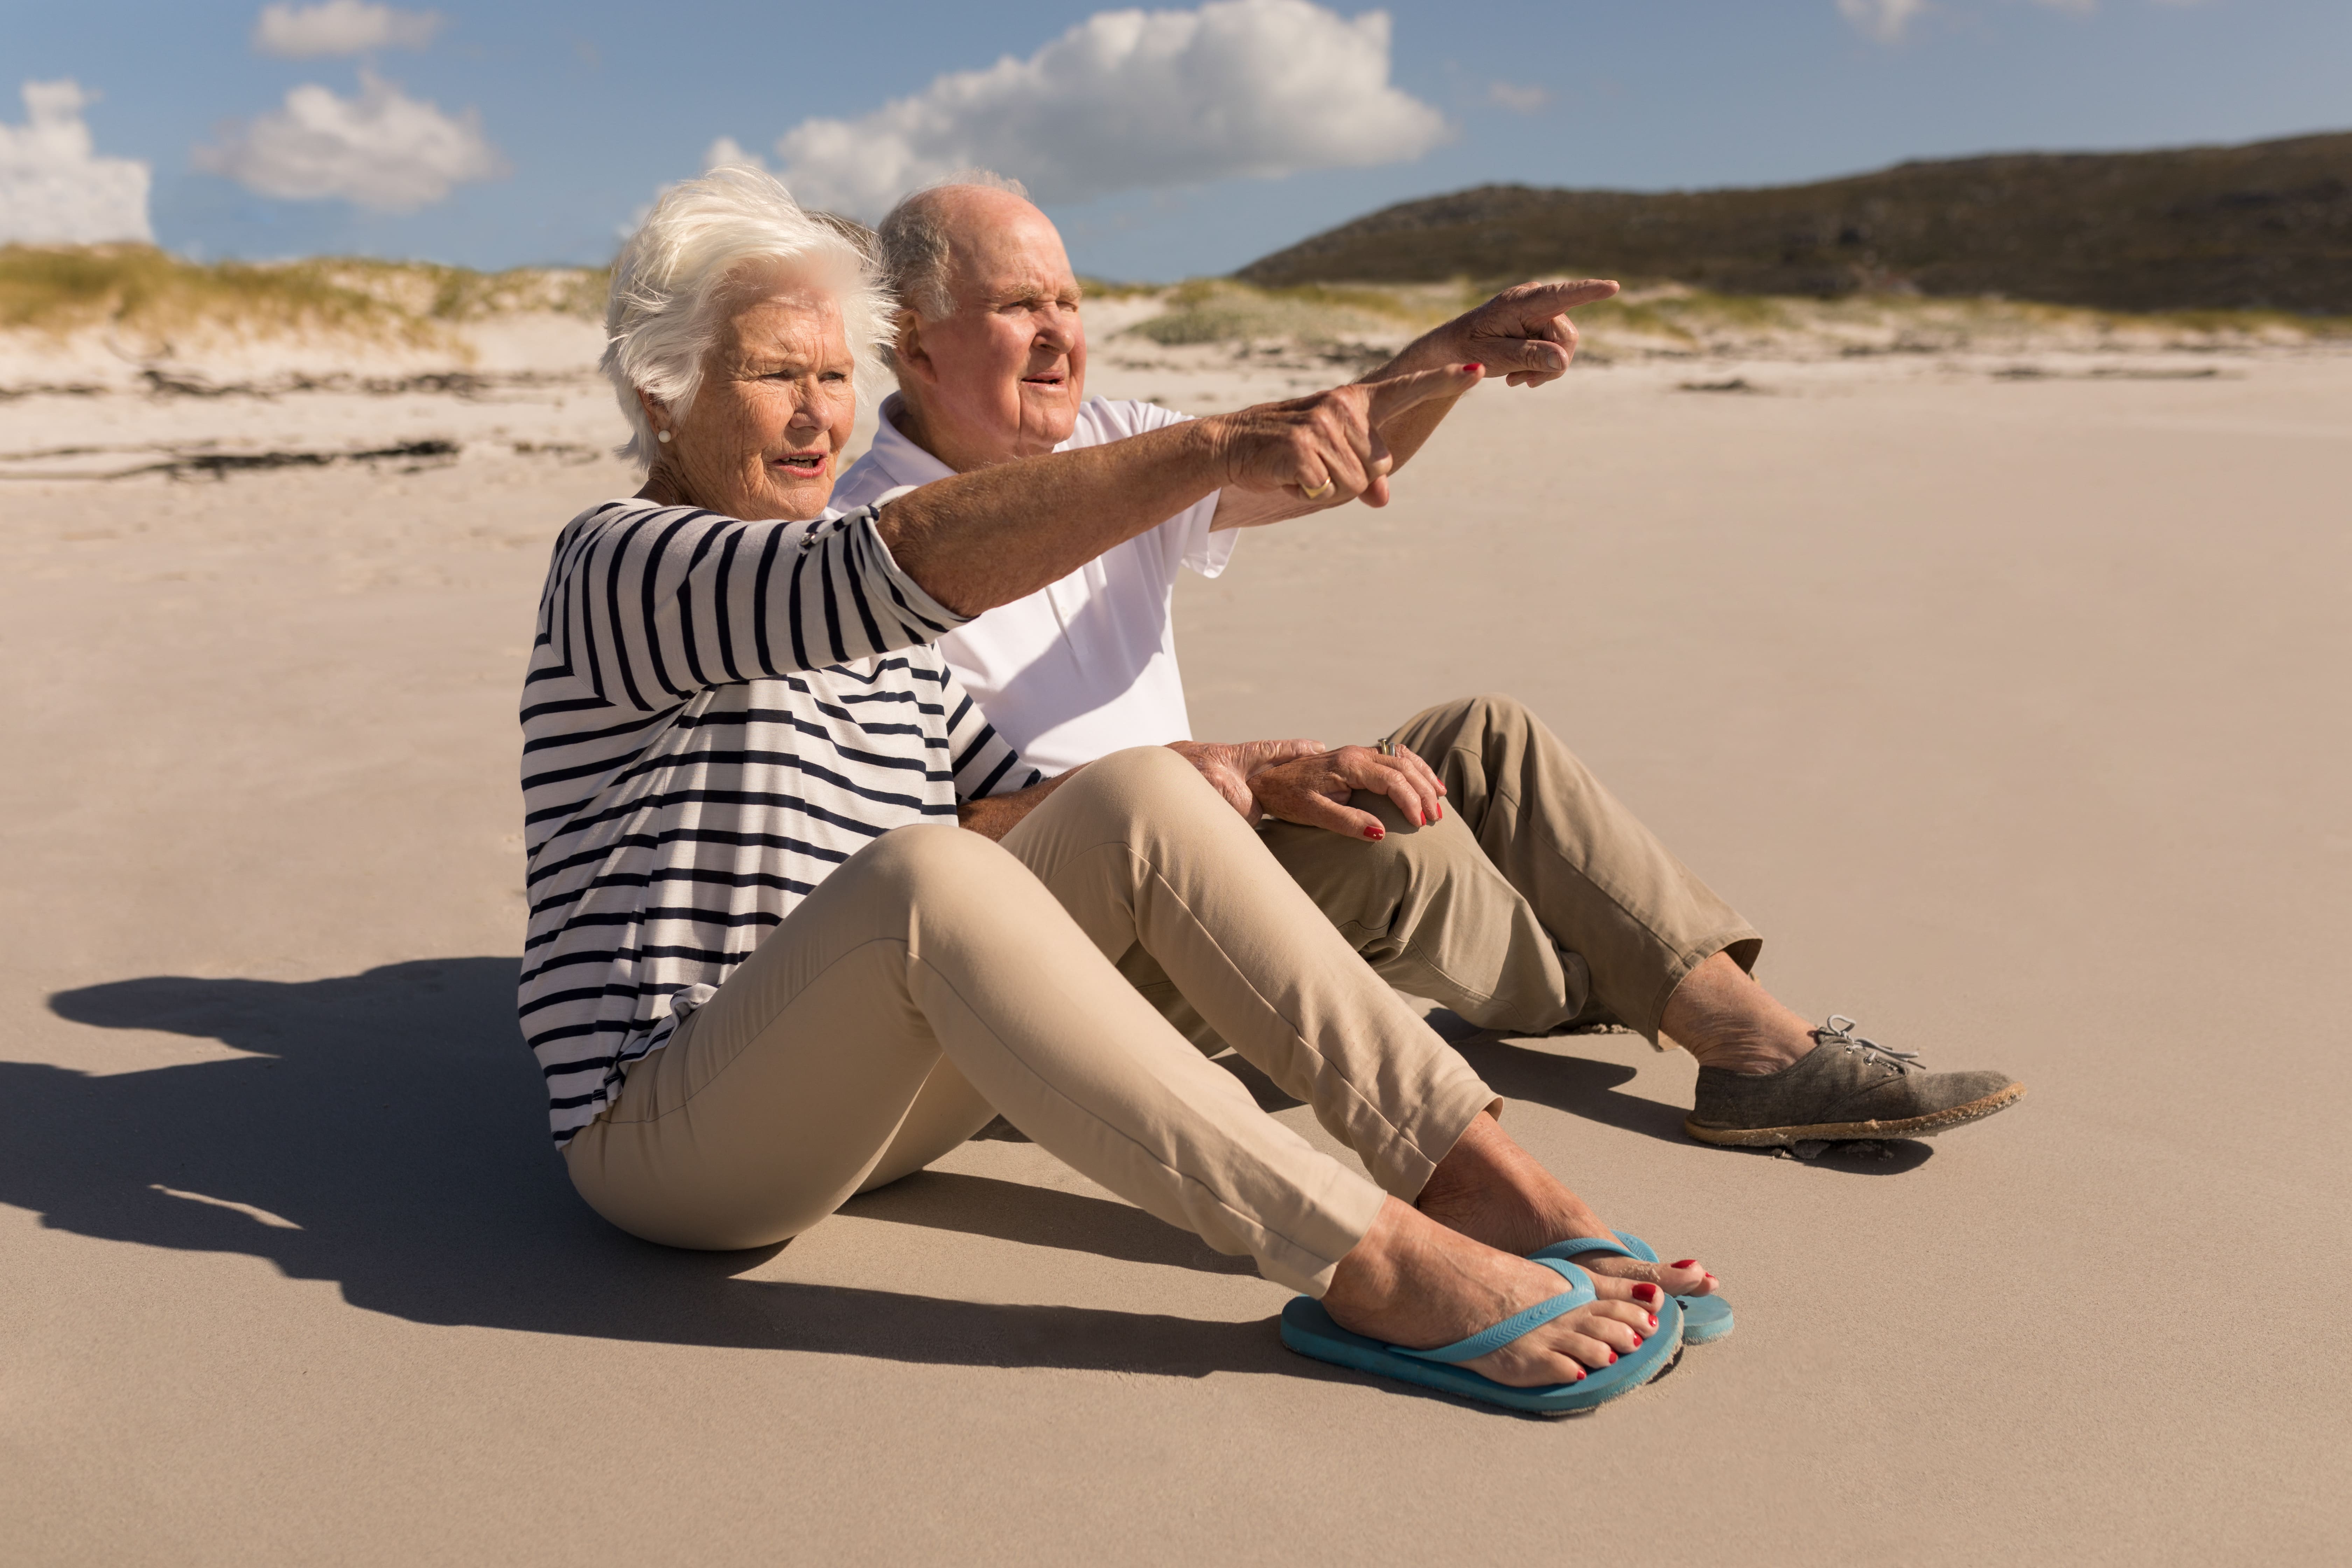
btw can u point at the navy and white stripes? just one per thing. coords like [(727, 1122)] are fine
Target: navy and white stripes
[(718, 713)]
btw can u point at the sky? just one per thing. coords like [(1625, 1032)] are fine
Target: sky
[(1167, 143)]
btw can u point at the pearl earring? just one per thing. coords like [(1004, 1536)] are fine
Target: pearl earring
[(662, 436)]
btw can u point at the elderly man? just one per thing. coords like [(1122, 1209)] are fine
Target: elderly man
[(1539, 903)]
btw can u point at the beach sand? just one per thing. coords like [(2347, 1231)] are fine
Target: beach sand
[(2010, 707)]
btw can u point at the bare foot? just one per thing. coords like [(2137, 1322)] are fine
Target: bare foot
[(1412, 1282), (1492, 1191)]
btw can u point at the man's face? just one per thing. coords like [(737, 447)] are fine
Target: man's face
[(1003, 376)]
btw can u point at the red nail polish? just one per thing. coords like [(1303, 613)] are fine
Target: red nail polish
[(1474, 365), (1687, 1263), (1654, 1319), (1645, 1292), (1375, 833), (1613, 1358)]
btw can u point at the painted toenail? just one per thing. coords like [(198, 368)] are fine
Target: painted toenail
[(1687, 1263), (1645, 1292)]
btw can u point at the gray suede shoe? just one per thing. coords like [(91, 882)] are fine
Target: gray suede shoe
[(1845, 1087)]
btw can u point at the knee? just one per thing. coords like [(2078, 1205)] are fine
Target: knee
[(1149, 783), (1497, 712), (929, 862), (1419, 851)]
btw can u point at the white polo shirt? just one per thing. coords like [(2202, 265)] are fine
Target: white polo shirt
[(1086, 666)]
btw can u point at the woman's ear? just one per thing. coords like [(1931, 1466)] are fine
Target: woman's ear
[(655, 413)]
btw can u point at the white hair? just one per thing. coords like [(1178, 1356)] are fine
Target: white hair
[(913, 246), (670, 297)]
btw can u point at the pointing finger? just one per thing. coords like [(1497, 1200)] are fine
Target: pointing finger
[(1552, 297)]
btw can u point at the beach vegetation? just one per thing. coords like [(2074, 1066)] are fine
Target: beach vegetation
[(148, 296), (1675, 320), (2266, 225)]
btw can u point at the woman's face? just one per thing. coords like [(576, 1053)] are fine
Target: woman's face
[(775, 407)]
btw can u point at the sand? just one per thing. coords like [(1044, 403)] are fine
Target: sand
[(2011, 708)]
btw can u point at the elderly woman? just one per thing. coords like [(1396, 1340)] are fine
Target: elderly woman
[(802, 922)]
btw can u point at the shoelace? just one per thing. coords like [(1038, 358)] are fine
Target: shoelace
[(1839, 1032)]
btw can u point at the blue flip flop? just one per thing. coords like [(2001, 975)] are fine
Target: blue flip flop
[(1308, 1329), (1706, 1319)]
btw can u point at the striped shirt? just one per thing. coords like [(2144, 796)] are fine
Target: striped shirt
[(718, 713)]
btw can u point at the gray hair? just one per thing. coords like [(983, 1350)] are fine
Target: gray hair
[(669, 290), (912, 246)]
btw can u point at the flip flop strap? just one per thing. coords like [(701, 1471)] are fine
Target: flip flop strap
[(1578, 1292), (1577, 1247)]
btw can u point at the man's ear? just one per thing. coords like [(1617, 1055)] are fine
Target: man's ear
[(907, 348), (654, 410)]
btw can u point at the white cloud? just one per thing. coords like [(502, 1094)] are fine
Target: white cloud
[(1132, 100), (53, 189), (340, 27), (1518, 100), (727, 149), (1885, 20), (381, 149)]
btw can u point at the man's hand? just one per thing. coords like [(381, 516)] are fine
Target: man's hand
[(1314, 790), (1229, 767), (994, 817), (1325, 450), (1522, 334)]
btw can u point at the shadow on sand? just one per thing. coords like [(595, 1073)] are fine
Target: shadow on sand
[(1590, 1089), (390, 1130)]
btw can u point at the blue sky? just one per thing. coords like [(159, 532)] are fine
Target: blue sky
[(580, 111)]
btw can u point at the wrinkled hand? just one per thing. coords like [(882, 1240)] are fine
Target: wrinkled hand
[(1314, 790), (1229, 767), (1331, 439), (1522, 334)]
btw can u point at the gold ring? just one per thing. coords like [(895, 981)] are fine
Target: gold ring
[(1319, 492)]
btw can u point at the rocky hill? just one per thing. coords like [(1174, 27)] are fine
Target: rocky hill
[(2267, 226)]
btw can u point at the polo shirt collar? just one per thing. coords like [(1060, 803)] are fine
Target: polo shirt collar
[(905, 463)]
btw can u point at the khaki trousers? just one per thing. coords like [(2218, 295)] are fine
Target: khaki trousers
[(936, 979), (1536, 902)]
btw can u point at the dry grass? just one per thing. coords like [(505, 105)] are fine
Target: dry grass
[(1673, 320), (149, 300), (147, 296), (1319, 315)]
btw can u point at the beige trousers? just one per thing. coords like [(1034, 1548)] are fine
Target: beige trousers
[(1536, 902), (936, 979)]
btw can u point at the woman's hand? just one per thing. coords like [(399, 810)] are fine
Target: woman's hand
[(1313, 790), (1328, 448), (1229, 767)]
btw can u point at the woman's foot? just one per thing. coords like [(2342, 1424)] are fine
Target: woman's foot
[(1414, 1283), (1492, 1191)]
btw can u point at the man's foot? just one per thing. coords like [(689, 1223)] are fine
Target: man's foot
[(1496, 1193), (1845, 1087), (1412, 1282)]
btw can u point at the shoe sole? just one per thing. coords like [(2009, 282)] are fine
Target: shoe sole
[(1832, 1131)]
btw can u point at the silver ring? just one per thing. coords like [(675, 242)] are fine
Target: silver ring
[(1319, 492), (1386, 746)]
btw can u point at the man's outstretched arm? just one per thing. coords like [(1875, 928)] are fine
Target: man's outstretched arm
[(1522, 334), (979, 539)]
